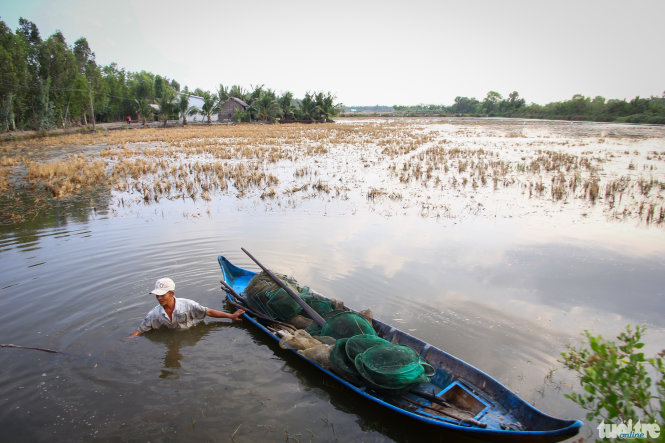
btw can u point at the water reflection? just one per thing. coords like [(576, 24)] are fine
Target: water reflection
[(41, 212), (177, 339), (504, 295)]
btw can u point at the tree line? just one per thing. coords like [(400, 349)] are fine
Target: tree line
[(638, 110), (47, 84)]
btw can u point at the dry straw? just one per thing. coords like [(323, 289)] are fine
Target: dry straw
[(412, 161)]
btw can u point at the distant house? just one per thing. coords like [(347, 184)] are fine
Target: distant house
[(229, 107), (155, 111), (196, 101)]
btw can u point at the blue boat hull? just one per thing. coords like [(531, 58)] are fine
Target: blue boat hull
[(503, 414)]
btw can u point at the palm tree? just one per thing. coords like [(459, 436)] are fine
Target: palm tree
[(308, 111), (266, 106), (286, 107), (143, 108), (238, 92), (222, 94), (192, 111), (210, 105), (183, 106), (255, 94), (167, 103), (320, 106), (327, 107)]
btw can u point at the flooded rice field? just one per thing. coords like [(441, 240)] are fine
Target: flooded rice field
[(496, 240)]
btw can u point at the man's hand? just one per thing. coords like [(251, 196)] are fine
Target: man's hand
[(237, 314), (132, 335), (220, 314)]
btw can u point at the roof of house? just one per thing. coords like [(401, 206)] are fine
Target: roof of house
[(240, 102)]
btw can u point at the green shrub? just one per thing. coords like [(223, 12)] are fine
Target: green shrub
[(617, 378), (241, 116), (656, 120)]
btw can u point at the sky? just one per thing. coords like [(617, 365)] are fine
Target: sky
[(369, 52)]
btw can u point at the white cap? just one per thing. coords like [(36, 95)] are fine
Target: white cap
[(162, 286)]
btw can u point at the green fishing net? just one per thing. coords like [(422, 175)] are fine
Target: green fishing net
[(346, 324), (393, 367), (360, 343), (321, 305), (346, 350), (358, 352), (266, 296), (315, 329), (340, 360), (282, 304)]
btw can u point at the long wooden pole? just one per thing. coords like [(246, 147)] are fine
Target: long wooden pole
[(228, 288), (462, 420), (445, 404), (308, 309)]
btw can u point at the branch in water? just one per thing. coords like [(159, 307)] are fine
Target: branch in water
[(29, 347)]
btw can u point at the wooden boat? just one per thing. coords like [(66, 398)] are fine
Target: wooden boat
[(461, 399)]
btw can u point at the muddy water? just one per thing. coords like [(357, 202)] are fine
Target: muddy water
[(504, 293)]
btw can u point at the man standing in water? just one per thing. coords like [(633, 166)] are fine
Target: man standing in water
[(180, 313)]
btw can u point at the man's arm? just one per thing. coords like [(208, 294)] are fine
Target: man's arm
[(220, 314), (145, 326)]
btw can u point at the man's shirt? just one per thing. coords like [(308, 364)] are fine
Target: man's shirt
[(185, 315)]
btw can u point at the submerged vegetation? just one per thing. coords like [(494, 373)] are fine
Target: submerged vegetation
[(435, 168)]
